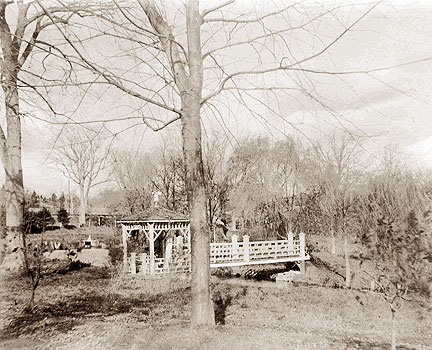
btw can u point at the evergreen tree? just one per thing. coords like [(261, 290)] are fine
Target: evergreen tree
[(34, 200), (63, 216)]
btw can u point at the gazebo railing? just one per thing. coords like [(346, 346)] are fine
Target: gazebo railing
[(141, 264)]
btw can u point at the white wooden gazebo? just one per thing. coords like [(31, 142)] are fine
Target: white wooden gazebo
[(156, 225)]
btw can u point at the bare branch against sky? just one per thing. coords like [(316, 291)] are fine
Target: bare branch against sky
[(361, 67)]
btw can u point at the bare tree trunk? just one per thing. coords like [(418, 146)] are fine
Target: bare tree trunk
[(333, 241), (202, 308), (13, 240), (83, 205), (347, 263), (393, 339)]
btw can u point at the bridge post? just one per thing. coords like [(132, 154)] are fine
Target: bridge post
[(133, 263), (302, 252), (246, 248), (290, 243), (234, 242)]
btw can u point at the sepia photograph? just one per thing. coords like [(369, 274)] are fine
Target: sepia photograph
[(215, 174)]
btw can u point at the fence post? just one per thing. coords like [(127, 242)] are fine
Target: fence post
[(246, 248), (234, 242), (144, 263), (133, 263), (290, 243), (302, 252)]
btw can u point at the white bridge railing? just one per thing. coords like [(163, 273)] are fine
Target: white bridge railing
[(241, 253), (233, 253)]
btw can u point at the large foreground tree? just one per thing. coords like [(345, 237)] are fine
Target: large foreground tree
[(21, 27), (180, 62)]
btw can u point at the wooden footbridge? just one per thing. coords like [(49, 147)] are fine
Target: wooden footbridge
[(242, 253), (224, 254)]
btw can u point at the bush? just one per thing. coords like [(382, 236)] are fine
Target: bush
[(37, 222), (401, 254), (114, 245)]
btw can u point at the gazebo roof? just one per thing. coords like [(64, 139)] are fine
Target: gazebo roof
[(155, 215)]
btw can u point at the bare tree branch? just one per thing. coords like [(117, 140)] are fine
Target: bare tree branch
[(216, 8), (109, 77), (252, 20), (281, 66)]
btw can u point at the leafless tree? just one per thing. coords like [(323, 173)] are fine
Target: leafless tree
[(22, 25), (338, 158), (251, 177), (169, 174), (193, 63), (392, 191), (132, 169), (82, 157), (216, 152), (267, 182), (161, 168)]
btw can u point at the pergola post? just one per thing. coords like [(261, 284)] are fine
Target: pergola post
[(188, 234), (124, 240), (152, 252)]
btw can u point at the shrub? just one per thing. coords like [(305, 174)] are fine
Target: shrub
[(401, 256), (114, 246), (63, 216)]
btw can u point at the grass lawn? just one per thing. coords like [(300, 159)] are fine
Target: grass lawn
[(99, 309)]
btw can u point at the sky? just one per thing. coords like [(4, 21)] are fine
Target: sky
[(390, 106)]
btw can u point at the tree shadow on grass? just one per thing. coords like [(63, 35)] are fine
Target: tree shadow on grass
[(63, 315), (220, 305), (369, 345)]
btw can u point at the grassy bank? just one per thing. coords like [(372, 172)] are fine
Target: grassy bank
[(96, 309)]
